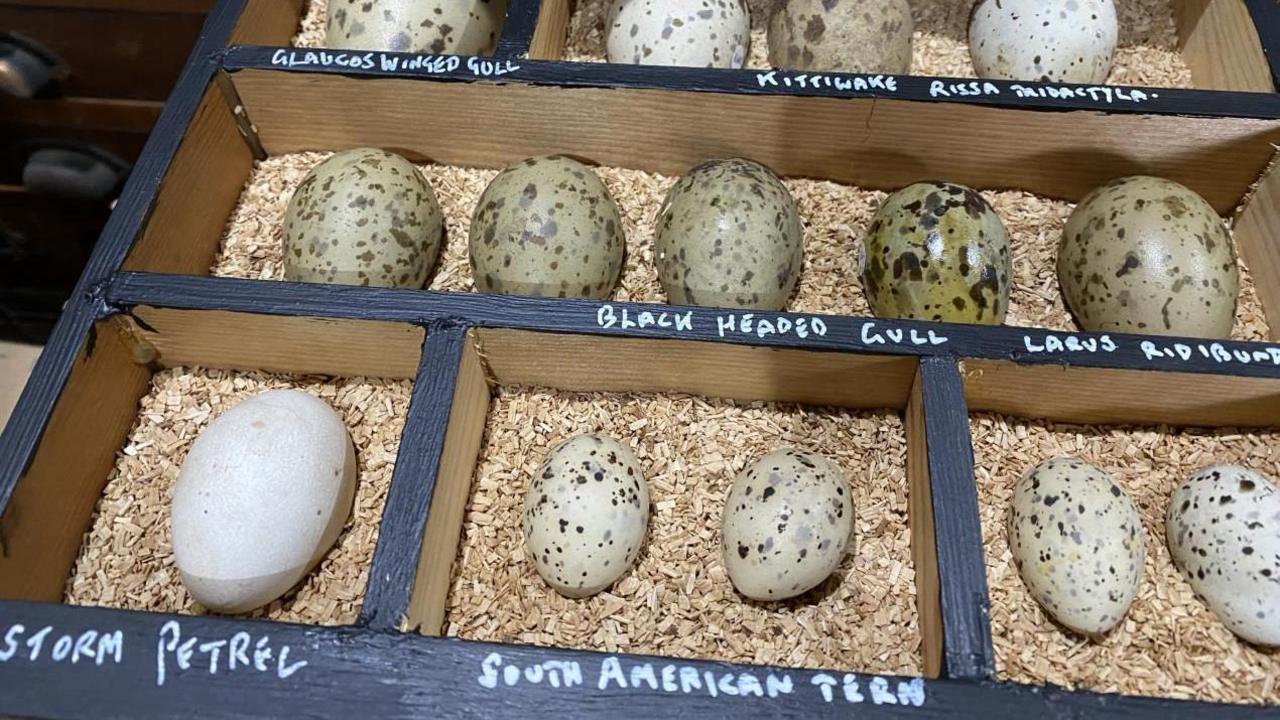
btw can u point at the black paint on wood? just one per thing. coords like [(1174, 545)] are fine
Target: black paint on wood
[(517, 31), (1266, 20)]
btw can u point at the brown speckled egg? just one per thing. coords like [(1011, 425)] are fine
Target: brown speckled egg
[(1223, 530), (857, 36), (1076, 539), (363, 217), (729, 235), (787, 523), (1067, 41), (689, 33), (1147, 255), (937, 251), (585, 514), (547, 227), (455, 27)]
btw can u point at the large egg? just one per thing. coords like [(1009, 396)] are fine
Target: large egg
[(585, 514), (1147, 255), (547, 227), (1035, 40), (262, 496), (691, 33), (787, 523), (857, 36), (729, 235), (454, 27), (937, 251), (1223, 529), (363, 217), (1077, 541)]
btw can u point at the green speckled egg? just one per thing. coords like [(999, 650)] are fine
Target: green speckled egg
[(857, 36), (457, 27), (363, 217), (1146, 255), (729, 235), (937, 251), (547, 227)]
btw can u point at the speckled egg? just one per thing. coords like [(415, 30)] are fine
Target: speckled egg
[(857, 36), (729, 235), (1223, 529), (937, 251), (691, 33), (1076, 539), (547, 227), (1147, 255), (363, 217), (1034, 40), (787, 523), (585, 514), (455, 27)]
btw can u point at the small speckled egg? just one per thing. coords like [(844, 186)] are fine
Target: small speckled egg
[(1076, 539), (363, 217), (585, 514), (1147, 255), (857, 36), (787, 523), (1223, 530), (937, 251), (456, 27), (729, 235), (690, 33), (547, 227), (1034, 40)]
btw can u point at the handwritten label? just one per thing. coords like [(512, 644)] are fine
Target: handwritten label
[(842, 83), (898, 336), (1217, 352), (763, 326), (606, 317), (96, 647), (1068, 344), (1094, 93), (427, 64)]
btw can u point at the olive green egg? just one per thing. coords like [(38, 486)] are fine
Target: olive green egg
[(937, 251), (363, 217), (729, 235), (458, 27), (547, 227), (1147, 255)]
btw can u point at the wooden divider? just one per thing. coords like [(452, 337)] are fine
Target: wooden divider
[(1221, 46)]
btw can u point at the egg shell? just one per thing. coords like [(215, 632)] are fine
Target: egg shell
[(547, 227), (787, 523), (689, 33), (937, 251), (363, 217), (454, 27), (1223, 530), (729, 235), (1076, 539), (585, 514), (1147, 255), (262, 495), (857, 36), (1069, 42)]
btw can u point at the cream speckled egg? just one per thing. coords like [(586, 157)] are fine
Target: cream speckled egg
[(1069, 41), (691, 33), (729, 235), (454, 27), (856, 36), (1223, 530), (585, 514), (787, 523), (363, 217), (547, 227), (1147, 255), (1076, 539)]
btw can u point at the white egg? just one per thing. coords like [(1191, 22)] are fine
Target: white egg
[(1034, 40), (691, 33), (787, 523), (585, 514), (262, 496)]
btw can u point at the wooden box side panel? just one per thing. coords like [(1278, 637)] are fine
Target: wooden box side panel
[(1221, 46), (1257, 234), (551, 32), (267, 22), (924, 545)]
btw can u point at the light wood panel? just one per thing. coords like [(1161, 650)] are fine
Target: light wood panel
[(267, 22), (1257, 234), (1100, 395), (552, 30), (52, 504), (593, 363), (449, 500), (1221, 46), (924, 552), (277, 343), (881, 143)]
